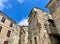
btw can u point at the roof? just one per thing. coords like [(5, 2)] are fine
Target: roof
[(36, 8), (49, 2), (7, 17)]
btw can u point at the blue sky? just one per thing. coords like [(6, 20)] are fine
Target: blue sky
[(19, 10)]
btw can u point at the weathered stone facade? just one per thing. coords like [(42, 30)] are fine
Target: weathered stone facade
[(42, 28), (23, 36), (9, 31), (54, 6), (37, 32), (55, 12)]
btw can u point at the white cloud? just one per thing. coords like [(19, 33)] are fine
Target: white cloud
[(23, 22), (4, 4), (20, 1), (9, 6)]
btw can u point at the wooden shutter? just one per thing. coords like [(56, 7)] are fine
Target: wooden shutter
[(3, 19), (8, 34), (5, 42)]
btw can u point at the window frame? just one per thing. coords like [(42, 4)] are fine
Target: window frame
[(8, 33), (11, 24), (3, 19)]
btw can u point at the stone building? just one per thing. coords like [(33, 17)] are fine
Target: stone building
[(9, 30), (38, 27), (23, 36), (54, 6), (43, 28)]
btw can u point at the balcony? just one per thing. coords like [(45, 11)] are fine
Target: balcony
[(51, 28)]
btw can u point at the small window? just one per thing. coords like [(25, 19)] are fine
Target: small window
[(35, 40), (11, 24), (0, 28), (5, 42), (8, 34), (3, 19)]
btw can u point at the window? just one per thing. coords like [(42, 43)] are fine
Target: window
[(35, 40), (8, 34), (19, 41), (3, 19), (52, 26), (0, 28), (11, 24), (5, 42)]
